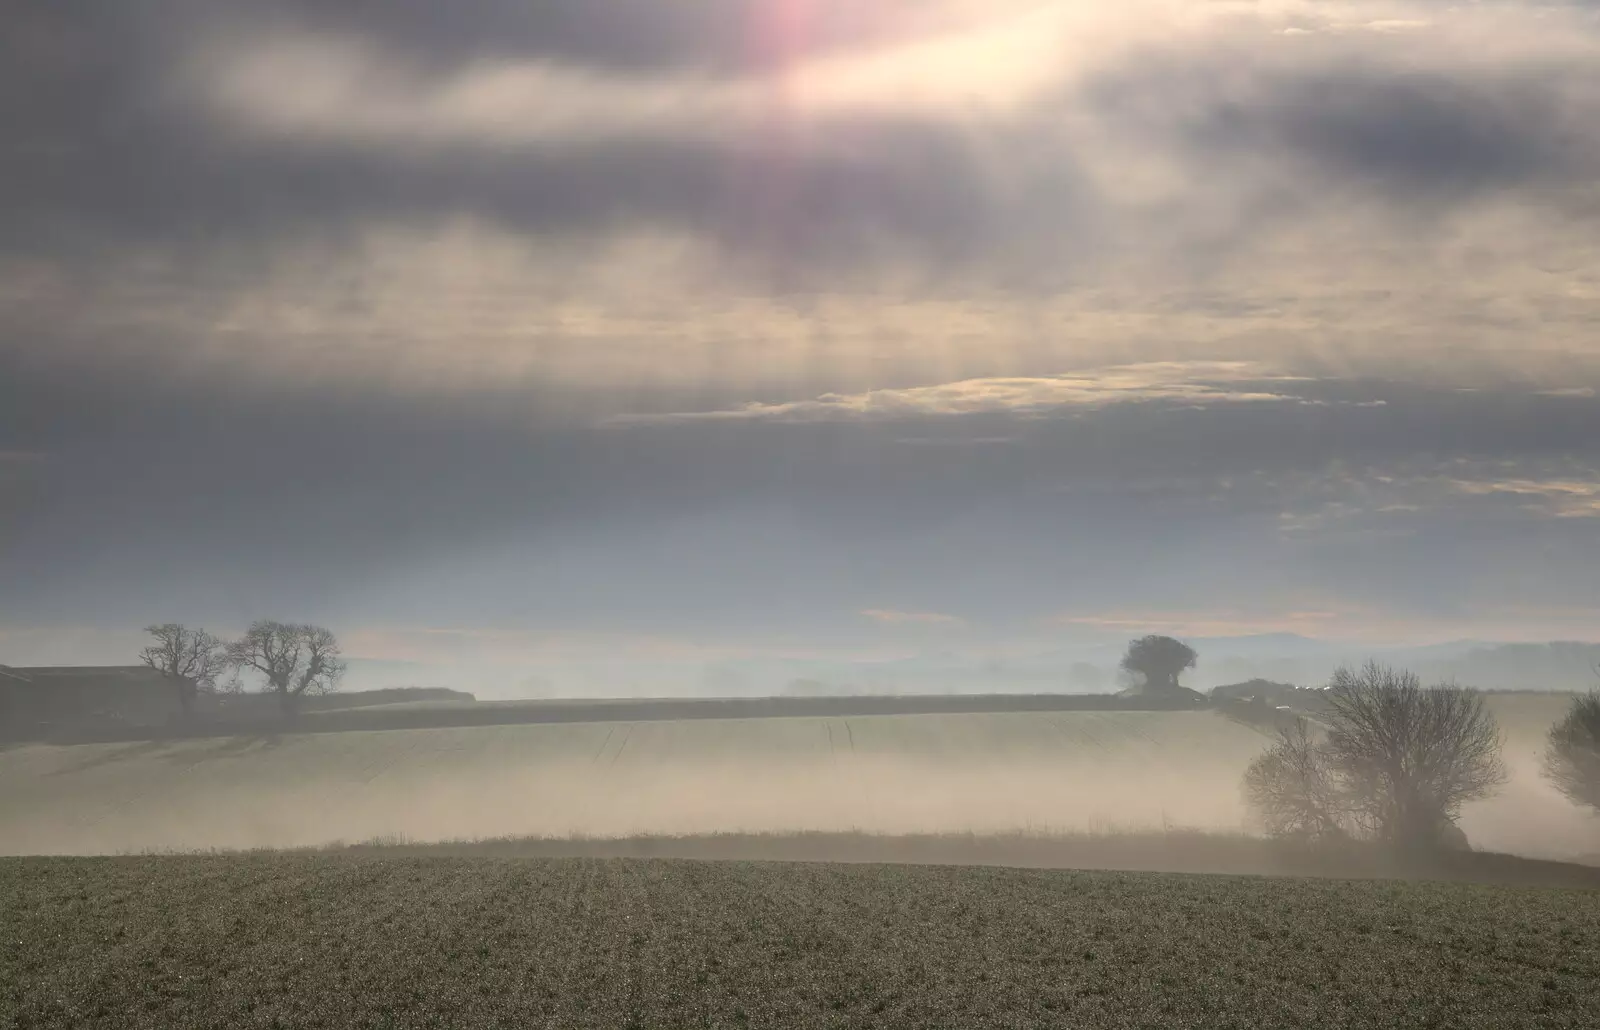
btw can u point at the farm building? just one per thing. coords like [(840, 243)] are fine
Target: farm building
[(43, 697), (1264, 691)]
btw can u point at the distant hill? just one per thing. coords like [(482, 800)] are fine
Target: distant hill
[(1554, 666)]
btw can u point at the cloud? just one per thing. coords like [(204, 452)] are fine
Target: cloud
[(713, 36), (1397, 25), (341, 507), (344, 93), (891, 617), (388, 266), (350, 90), (1560, 498), (565, 194), (1408, 497), (956, 441), (1183, 383), (1219, 623)]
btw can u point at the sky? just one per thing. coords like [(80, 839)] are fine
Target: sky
[(746, 327)]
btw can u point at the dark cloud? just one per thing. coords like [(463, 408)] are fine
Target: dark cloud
[(212, 491), (906, 184), (103, 140), (102, 143), (1405, 131), (101, 149), (1424, 134), (236, 502), (716, 36)]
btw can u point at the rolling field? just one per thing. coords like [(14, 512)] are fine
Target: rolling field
[(888, 773), (952, 773), (338, 941)]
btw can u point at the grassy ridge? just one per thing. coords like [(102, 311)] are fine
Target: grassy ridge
[(1175, 850), (343, 940)]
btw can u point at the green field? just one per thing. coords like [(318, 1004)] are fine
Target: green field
[(981, 773), (338, 941), (890, 773)]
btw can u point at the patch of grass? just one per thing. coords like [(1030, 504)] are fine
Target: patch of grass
[(341, 940)]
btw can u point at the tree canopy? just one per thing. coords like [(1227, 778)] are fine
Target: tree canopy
[(1572, 752), (1159, 660), (295, 659), (1396, 762), (191, 658)]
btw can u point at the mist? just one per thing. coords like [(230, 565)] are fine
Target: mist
[(1113, 773), (547, 352)]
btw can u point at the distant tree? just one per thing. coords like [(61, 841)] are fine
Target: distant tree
[(190, 658), (1159, 660), (294, 659), (1396, 762), (1572, 752)]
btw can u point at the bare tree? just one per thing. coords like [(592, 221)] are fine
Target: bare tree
[(1413, 754), (1295, 790), (1159, 660), (294, 659), (1396, 763), (1572, 752), (191, 658)]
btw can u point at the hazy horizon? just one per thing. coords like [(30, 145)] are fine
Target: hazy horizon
[(1079, 664), (982, 774)]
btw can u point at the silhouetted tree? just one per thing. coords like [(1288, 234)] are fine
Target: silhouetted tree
[(1413, 755), (1159, 660), (1295, 789), (1572, 752), (1395, 764), (294, 659), (190, 658)]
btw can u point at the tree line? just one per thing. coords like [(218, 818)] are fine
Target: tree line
[(291, 660), (1392, 761), (1387, 759)]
